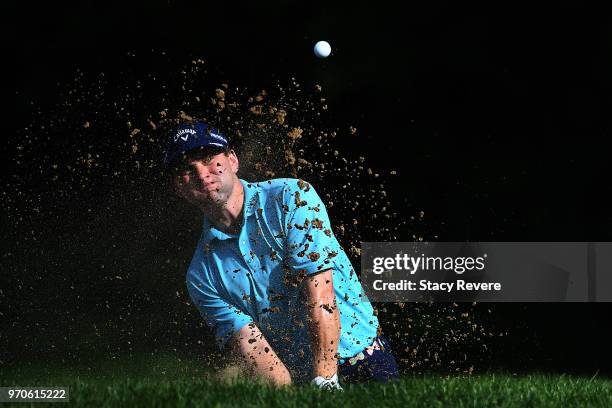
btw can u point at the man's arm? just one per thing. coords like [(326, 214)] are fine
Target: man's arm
[(323, 322), (258, 357)]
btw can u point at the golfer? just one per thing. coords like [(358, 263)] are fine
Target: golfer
[(269, 276)]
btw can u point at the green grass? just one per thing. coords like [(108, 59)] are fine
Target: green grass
[(166, 381)]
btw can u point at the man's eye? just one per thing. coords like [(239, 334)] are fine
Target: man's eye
[(206, 160)]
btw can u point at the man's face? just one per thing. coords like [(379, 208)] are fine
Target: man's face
[(206, 178)]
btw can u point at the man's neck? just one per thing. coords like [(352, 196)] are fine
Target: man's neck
[(228, 218)]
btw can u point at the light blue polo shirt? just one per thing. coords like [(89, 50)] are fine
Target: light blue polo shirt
[(254, 276)]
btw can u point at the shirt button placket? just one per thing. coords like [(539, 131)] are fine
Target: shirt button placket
[(249, 255)]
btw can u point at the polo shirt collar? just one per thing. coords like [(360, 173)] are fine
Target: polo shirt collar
[(251, 203)]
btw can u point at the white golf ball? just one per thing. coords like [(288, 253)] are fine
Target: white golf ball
[(322, 49)]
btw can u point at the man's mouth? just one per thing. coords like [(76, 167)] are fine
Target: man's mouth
[(209, 188)]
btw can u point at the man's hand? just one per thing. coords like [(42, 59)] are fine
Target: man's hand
[(258, 357), (323, 322), (327, 384)]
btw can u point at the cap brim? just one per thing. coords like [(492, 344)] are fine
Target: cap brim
[(179, 156)]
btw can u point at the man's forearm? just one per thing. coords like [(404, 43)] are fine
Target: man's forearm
[(323, 323), (325, 334), (258, 356)]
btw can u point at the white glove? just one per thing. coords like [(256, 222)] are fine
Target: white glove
[(328, 384)]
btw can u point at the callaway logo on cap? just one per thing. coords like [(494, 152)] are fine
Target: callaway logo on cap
[(187, 137)]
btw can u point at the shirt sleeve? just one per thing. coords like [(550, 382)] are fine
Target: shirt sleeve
[(219, 314), (311, 245)]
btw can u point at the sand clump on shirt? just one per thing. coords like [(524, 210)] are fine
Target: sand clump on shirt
[(104, 200)]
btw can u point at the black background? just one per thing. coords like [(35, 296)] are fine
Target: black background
[(496, 117)]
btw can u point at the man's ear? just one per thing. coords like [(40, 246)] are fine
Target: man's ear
[(234, 162)]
